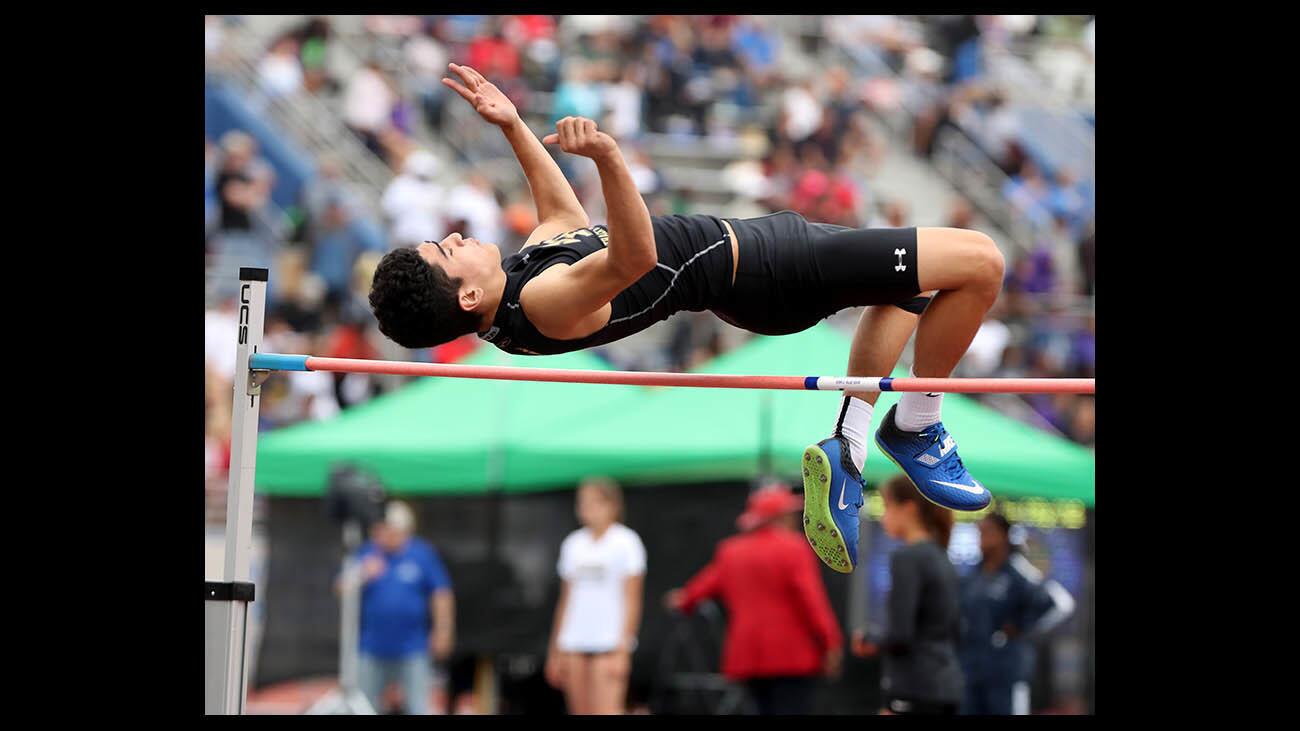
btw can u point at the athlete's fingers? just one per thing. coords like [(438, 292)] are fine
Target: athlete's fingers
[(466, 94), (480, 83), (466, 73), (588, 127), (550, 139), (479, 77), (473, 77), (566, 134)]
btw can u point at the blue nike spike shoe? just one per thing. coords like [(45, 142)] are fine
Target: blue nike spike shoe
[(832, 496), (929, 459)]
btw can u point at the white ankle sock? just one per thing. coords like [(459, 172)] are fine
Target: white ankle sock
[(916, 411), (854, 424)]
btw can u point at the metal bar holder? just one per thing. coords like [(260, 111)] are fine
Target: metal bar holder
[(225, 619)]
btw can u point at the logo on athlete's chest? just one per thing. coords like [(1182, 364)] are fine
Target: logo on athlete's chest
[(572, 237)]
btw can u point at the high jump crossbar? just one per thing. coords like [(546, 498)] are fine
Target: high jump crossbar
[(226, 601), (262, 363)]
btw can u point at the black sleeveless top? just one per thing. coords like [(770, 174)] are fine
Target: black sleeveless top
[(693, 273)]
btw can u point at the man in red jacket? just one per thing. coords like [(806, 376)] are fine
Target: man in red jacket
[(781, 633)]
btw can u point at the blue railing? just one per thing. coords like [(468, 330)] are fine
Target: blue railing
[(225, 109)]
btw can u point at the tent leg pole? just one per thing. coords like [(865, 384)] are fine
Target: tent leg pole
[(226, 602)]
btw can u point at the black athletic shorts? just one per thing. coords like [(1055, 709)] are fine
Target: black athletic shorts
[(793, 273)]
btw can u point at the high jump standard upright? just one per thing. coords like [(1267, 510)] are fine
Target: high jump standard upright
[(225, 619)]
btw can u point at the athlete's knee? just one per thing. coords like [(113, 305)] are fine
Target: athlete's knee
[(987, 263)]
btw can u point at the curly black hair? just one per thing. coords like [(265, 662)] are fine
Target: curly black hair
[(416, 303)]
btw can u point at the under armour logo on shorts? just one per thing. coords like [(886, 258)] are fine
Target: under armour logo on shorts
[(900, 266)]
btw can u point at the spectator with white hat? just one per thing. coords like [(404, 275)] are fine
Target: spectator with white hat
[(408, 611)]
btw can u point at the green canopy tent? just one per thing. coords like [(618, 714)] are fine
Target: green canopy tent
[(693, 434), (464, 436), (435, 435)]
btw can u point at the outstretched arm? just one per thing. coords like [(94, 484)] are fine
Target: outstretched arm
[(558, 209)]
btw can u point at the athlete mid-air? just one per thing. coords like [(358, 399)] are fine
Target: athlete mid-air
[(576, 285)]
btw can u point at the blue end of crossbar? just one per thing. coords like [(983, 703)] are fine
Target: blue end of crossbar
[(886, 384), (277, 362), (810, 383)]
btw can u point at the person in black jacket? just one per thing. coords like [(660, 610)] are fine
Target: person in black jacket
[(1005, 605), (921, 672)]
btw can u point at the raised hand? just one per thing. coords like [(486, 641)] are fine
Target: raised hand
[(489, 101), (579, 136)]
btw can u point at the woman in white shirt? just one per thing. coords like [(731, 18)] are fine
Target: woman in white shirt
[(602, 571)]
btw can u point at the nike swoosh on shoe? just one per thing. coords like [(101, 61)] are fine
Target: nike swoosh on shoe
[(975, 490)]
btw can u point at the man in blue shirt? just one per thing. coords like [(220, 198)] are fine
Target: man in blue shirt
[(408, 611), (1005, 605)]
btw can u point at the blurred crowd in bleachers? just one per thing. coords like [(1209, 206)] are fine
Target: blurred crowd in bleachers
[(807, 138)]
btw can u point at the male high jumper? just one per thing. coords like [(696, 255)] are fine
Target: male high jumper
[(575, 285)]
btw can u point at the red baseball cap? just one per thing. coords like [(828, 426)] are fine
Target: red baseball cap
[(766, 503)]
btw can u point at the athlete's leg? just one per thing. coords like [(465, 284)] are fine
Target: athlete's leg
[(876, 266), (878, 341), (853, 267), (832, 468), (966, 267), (792, 274)]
